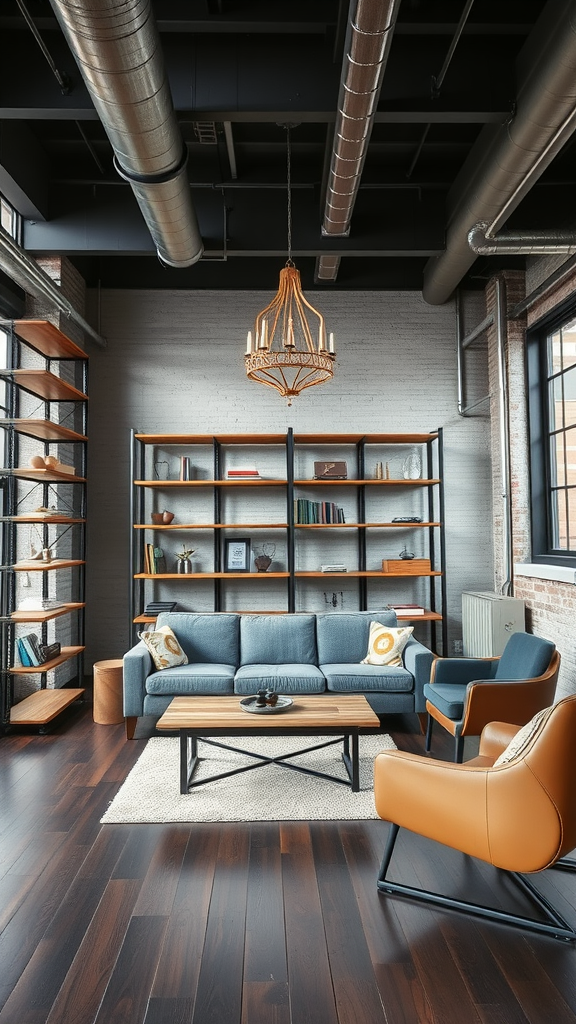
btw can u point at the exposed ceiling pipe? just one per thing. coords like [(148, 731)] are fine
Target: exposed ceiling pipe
[(370, 30), (19, 266), (117, 49), (502, 168), (521, 243)]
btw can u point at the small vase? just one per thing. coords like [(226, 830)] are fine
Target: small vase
[(184, 566), (412, 466), (262, 562)]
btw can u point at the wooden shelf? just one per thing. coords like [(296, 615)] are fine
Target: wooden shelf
[(45, 616), (319, 439), (44, 475), (44, 430), (211, 575), (427, 617), (210, 526), (362, 526), (368, 573), (211, 483), (41, 707), (48, 339), (37, 565), (420, 482), (65, 655), (208, 439), (40, 519), (45, 385)]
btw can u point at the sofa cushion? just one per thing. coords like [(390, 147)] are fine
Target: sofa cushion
[(164, 648), (200, 678), (448, 698), (286, 679), (278, 640), (209, 637), (344, 678), (386, 643), (342, 637)]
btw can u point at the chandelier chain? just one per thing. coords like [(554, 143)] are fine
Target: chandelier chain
[(289, 262)]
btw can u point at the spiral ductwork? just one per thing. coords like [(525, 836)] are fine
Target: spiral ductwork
[(117, 48), (369, 37)]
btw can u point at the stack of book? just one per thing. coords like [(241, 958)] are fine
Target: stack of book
[(407, 610), (32, 653), (154, 560), (310, 512), (242, 473), (155, 607), (333, 567)]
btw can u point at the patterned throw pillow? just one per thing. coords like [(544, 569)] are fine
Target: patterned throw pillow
[(386, 644), (520, 741), (164, 647)]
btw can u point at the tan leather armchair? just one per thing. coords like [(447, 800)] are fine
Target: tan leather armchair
[(464, 694), (519, 816)]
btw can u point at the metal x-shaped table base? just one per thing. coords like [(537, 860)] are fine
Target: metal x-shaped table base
[(189, 760)]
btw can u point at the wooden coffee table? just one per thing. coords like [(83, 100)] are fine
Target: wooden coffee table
[(343, 716)]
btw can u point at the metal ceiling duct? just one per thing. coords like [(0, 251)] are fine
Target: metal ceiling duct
[(501, 169), (370, 31), (19, 266), (116, 45)]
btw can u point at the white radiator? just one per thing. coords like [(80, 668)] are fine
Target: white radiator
[(487, 622)]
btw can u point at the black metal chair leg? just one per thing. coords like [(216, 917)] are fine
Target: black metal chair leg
[(458, 749), (392, 837), (429, 728)]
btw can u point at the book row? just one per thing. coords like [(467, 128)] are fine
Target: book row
[(309, 512)]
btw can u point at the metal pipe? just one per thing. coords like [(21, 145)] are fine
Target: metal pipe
[(25, 272), (118, 52), (529, 243), (370, 30), (58, 75), (462, 343), (504, 423)]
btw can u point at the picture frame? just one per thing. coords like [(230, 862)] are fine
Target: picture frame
[(237, 554)]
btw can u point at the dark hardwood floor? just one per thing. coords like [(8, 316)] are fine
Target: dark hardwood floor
[(263, 923)]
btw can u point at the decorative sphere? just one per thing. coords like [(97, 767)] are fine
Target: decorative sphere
[(37, 462)]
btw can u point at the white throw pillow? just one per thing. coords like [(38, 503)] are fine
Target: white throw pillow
[(164, 647), (386, 644), (520, 741)]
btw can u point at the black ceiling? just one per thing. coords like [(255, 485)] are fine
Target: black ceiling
[(256, 66)]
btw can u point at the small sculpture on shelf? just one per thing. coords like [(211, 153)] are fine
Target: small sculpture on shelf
[(184, 565), (264, 556), (405, 554), (162, 518)]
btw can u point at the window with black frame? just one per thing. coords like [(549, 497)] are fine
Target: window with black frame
[(552, 390)]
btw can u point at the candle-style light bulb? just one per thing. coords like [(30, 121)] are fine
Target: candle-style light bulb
[(263, 335), (331, 344), (249, 344)]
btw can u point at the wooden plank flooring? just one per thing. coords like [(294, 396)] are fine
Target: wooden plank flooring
[(250, 923)]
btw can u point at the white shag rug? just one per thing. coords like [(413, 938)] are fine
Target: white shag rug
[(151, 792)]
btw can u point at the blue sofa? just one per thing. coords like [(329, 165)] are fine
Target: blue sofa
[(299, 653)]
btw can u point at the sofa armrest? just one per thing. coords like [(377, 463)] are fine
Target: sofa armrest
[(418, 660), (137, 668), (463, 670)]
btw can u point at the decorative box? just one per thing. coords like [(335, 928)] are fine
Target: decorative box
[(406, 566), (330, 471)]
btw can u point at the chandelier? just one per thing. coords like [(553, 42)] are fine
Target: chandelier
[(289, 350)]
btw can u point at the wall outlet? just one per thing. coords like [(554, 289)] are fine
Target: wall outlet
[(457, 647)]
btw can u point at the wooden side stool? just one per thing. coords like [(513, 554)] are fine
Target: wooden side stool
[(108, 702)]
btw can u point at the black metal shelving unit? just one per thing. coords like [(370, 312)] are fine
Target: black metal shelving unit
[(46, 425), (143, 448)]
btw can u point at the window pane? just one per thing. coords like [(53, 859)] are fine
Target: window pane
[(554, 353), (559, 515), (569, 345), (569, 397), (555, 405), (557, 456)]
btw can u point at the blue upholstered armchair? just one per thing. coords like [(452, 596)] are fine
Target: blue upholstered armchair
[(464, 694)]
